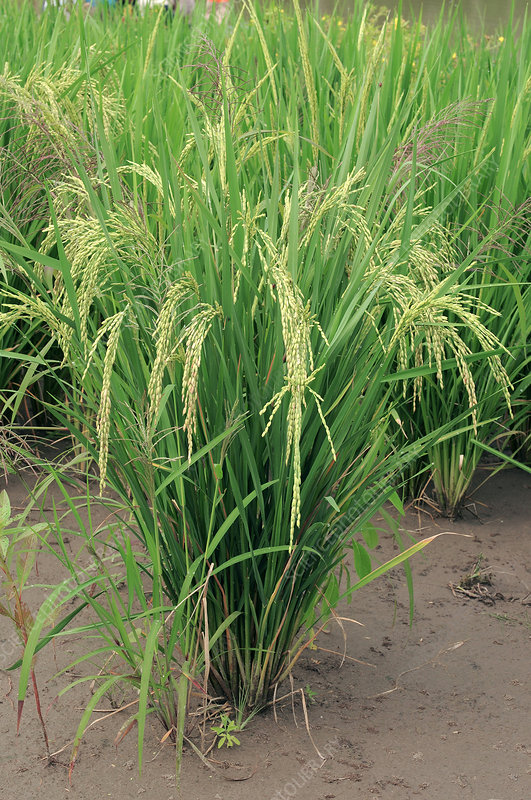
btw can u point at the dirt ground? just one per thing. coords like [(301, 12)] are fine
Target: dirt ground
[(442, 713)]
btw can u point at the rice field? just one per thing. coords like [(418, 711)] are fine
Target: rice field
[(267, 278)]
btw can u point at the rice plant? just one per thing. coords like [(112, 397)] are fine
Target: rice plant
[(274, 295), (275, 312)]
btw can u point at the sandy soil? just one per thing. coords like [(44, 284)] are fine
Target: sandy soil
[(443, 713)]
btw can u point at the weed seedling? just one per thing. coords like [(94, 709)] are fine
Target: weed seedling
[(310, 693), (225, 731)]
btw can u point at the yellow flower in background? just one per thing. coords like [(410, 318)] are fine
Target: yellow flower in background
[(454, 55), (501, 38)]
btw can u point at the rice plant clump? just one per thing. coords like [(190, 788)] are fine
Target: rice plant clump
[(272, 305)]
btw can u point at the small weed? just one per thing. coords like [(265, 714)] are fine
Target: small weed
[(474, 584), (524, 620), (225, 731), (310, 693), (477, 576)]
